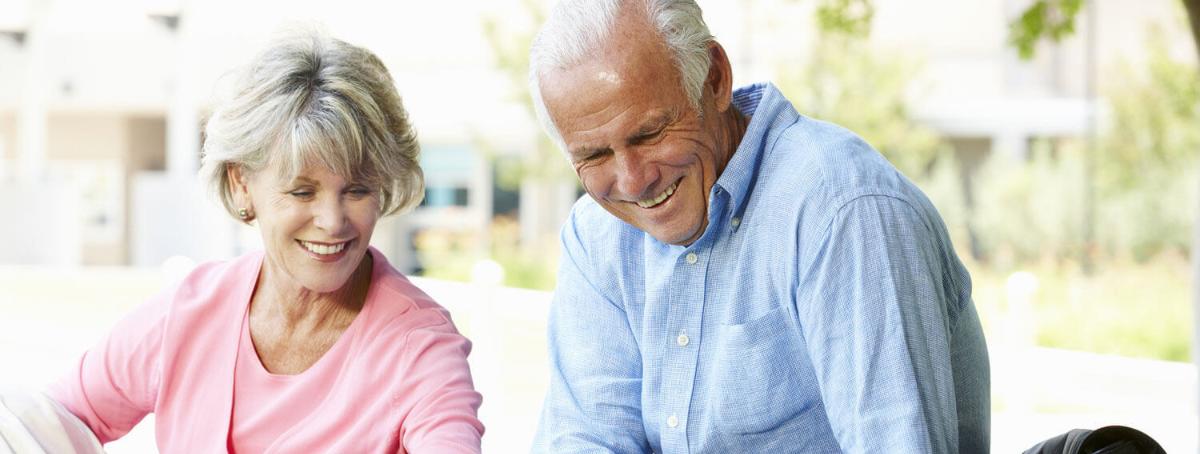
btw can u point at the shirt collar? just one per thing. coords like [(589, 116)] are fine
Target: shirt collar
[(763, 103)]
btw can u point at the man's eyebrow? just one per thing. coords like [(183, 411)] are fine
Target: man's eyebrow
[(586, 150), (653, 125)]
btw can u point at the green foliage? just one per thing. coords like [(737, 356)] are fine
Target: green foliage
[(1145, 166), (1156, 121), (1152, 218), (1052, 19), (1148, 159), (846, 17), (1031, 211), (1029, 215), (510, 41), (847, 83), (1055, 20)]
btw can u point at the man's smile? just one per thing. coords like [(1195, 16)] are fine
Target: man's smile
[(653, 202)]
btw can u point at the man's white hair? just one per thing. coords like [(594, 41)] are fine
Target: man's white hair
[(575, 28)]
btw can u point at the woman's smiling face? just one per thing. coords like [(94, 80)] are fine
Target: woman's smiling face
[(315, 227)]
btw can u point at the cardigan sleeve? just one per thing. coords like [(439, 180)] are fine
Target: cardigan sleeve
[(115, 383)]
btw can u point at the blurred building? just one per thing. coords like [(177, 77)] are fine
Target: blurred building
[(102, 108), (102, 105)]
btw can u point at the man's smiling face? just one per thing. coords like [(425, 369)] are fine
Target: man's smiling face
[(639, 147)]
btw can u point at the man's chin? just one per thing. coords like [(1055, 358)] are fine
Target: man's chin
[(678, 238)]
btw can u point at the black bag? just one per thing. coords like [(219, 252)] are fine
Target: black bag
[(1105, 440)]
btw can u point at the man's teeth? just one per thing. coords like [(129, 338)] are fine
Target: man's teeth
[(322, 248), (657, 200)]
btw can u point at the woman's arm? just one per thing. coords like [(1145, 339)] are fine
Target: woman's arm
[(115, 383), (443, 418)]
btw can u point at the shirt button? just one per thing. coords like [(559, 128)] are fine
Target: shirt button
[(736, 222), (672, 421), (692, 258), (682, 340)]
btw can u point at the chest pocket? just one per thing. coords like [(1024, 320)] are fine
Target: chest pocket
[(757, 376)]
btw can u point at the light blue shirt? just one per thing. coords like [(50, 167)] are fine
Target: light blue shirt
[(823, 309)]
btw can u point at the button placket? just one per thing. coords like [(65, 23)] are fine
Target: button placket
[(680, 369)]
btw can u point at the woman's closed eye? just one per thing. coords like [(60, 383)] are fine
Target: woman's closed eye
[(359, 191), (303, 194)]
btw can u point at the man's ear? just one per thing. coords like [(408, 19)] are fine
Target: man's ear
[(719, 83)]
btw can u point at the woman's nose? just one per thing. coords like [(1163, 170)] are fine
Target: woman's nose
[(330, 214)]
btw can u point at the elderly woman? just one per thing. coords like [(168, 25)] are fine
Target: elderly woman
[(315, 344)]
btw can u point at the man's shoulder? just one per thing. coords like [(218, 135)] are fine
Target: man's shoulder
[(828, 164), (813, 171)]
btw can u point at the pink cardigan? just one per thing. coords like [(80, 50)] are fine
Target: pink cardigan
[(405, 388)]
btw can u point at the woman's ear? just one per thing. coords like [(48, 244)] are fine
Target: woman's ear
[(239, 189), (237, 180), (239, 186)]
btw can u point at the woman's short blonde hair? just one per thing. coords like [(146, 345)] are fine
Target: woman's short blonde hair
[(310, 99)]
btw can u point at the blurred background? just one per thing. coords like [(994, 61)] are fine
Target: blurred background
[(1058, 138)]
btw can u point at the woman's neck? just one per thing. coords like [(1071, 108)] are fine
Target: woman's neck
[(279, 300)]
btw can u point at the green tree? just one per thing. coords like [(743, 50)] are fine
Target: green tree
[(1055, 20), (1155, 118), (510, 39), (847, 83), (1147, 158)]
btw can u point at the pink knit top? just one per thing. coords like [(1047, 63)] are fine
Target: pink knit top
[(396, 380)]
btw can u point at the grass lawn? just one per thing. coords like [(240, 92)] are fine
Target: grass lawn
[(1138, 310)]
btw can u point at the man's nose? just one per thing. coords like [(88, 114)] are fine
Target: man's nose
[(635, 177)]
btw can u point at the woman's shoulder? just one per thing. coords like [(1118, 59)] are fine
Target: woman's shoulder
[(217, 275), (211, 285), (398, 307)]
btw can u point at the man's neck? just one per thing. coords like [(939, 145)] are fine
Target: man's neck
[(734, 129)]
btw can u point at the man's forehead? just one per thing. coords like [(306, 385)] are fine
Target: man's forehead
[(608, 76), (628, 46), (627, 71)]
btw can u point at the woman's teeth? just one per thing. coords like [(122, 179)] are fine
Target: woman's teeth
[(323, 249)]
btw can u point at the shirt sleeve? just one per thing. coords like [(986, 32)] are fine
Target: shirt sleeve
[(115, 383), (444, 419), (875, 306), (594, 400)]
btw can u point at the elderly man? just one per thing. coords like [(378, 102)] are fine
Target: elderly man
[(742, 278)]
